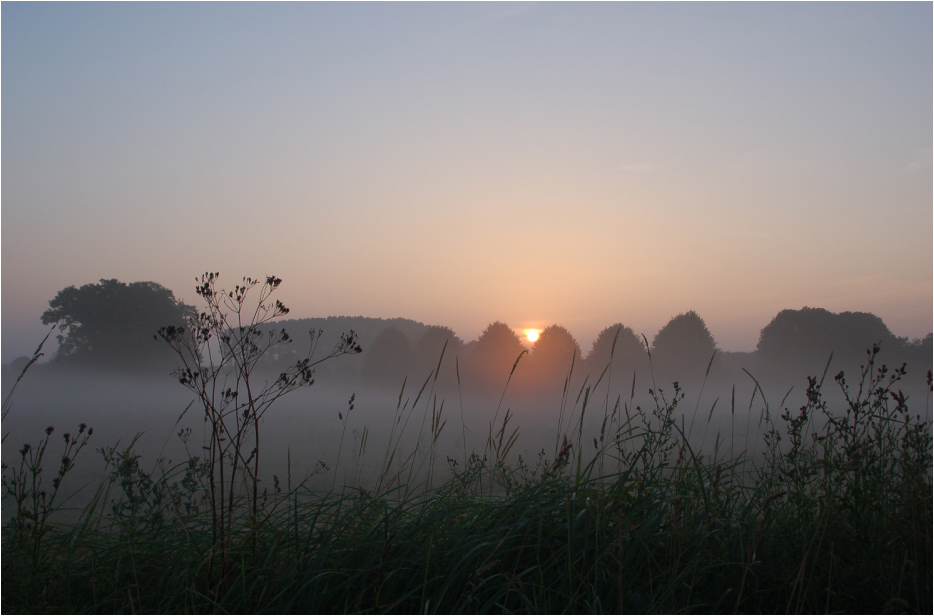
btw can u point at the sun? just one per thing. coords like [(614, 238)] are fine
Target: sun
[(532, 334)]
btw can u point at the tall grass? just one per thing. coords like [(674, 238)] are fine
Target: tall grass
[(834, 516)]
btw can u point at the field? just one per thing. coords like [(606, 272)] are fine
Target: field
[(625, 509)]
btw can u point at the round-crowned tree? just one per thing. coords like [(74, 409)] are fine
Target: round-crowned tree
[(552, 356), (683, 348), (628, 355), (387, 359), (494, 354), (426, 356), (111, 324)]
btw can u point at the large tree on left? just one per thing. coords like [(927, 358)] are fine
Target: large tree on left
[(111, 324)]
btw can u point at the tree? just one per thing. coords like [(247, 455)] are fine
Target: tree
[(111, 324), (683, 348), (494, 354), (387, 359), (802, 340), (628, 355), (919, 350), (366, 328), (427, 354), (552, 356)]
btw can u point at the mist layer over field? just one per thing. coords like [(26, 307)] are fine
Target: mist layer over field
[(637, 463), (386, 435)]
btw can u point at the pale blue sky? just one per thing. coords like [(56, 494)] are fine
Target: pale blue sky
[(461, 163)]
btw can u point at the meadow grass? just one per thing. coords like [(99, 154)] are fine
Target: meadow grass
[(835, 516)]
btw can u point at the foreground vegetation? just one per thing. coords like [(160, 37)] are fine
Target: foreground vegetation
[(836, 516)]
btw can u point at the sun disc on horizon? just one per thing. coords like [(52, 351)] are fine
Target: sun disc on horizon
[(532, 334)]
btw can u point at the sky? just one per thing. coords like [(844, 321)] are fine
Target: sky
[(457, 164)]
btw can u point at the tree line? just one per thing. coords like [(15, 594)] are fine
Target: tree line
[(110, 325)]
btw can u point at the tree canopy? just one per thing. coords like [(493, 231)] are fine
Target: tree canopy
[(552, 355), (495, 353), (684, 347), (628, 355), (426, 354), (387, 359), (807, 337), (111, 324)]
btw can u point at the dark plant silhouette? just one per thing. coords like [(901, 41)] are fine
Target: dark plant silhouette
[(23, 364), (219, 350), (35, 501), (868, 467), (110, 324)]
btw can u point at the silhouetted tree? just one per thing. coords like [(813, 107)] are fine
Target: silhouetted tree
[(921, 348), (802, 340), (387, 359), (366, 328), (683, 348), (551, 358), (494, 354), (111, 324), (427, 353), (628, 356)]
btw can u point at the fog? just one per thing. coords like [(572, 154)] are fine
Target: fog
[(429, 382), (554, 163)]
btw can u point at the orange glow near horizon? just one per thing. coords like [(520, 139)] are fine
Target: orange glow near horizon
[(532, 334)]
